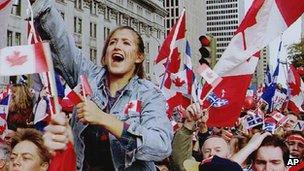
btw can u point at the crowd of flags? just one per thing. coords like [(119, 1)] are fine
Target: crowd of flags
[(224, 88)]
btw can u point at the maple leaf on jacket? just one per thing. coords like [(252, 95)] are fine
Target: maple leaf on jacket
[(16, 59), (178, 82)]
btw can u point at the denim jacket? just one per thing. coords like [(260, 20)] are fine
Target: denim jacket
[(149, 127)]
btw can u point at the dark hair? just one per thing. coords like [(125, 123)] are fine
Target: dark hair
[(139, 69), (35, 137), (274, 141), (293, 132)]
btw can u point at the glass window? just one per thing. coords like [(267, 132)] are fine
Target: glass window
[(16, 8), (9, 41), (18, 38)]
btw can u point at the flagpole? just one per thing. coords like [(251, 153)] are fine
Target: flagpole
[(171, 45)]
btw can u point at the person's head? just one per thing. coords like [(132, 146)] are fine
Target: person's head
[(4, 157), (123, 53), (215, 145), (21, 98), (295, 143), (8, 136), (29, 152), (292, 120), (272, 155)]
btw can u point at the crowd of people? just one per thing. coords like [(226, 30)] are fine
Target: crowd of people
[(123, 124)]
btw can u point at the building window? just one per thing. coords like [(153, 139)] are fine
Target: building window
[(147, 47), (93, 7), (107, 14), (78, 4), (17, 38), (130, 4), (106, 32), (62, 15), (147, 67), (93, 30), (93, 55), (120, 1), (158, 34), (9, 41), (77, 25), (139, 10), (16, 8)]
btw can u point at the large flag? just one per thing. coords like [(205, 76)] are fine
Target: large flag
[(264, 21), (5, 9), (26, 59), (168, 59), (270, 90), (296, 87)]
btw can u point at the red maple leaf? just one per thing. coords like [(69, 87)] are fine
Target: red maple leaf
[(16, 59), (178, 82)]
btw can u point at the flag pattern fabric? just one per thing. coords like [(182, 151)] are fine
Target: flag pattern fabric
[(252, 120), (296, 88), (85, 85), (264, 21), (25, 59), (299, 126), (170, 54), (133, 105), (209, 76), (270, 90)]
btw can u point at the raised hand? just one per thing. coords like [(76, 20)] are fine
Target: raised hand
[(89, 112), (57, 133)]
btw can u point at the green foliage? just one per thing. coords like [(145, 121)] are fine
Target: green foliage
[(296, 53)]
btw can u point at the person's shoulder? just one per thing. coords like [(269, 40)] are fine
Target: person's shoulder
[(146, 86)]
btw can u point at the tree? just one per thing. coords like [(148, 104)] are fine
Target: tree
[(296, 53)]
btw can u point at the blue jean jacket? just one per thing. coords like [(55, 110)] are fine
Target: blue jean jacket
[(150, 127)]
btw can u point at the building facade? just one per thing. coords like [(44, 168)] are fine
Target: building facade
[(194, 22), (222, 20), (90, 22)]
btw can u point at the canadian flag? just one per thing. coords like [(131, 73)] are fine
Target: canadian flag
[(168, 59), (133, 105), (26, 59), (296, 87), (85, 85), (264, 21), (180, 82), (210, 76)]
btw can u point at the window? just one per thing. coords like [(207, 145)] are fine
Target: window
[(139, 10), (107, 14), (106, 32), (93, 7), (9, 41), (78, 4), (93, 30), (120, 1), (93, 55), (158, 34), (62, 15), (77, 25), (17, 38), (130, 4), (16, 8)]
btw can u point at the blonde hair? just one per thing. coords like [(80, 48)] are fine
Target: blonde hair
[(21, 98)]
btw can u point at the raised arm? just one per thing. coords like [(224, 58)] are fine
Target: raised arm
[(67, 58)]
